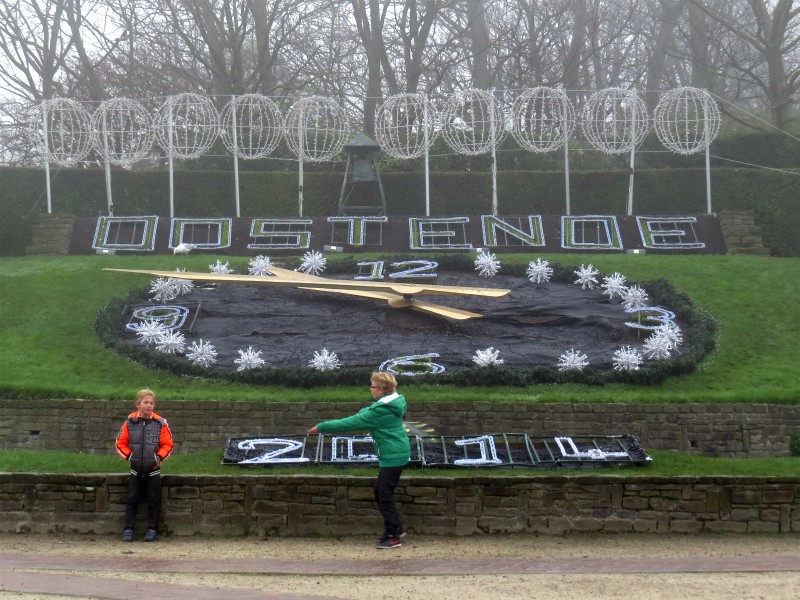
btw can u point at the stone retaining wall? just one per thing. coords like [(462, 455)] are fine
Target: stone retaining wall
[(729, 430), (301, 505)]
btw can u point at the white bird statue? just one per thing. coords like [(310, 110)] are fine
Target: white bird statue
[(184, 248)]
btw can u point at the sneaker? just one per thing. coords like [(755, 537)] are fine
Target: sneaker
[(127, 535), (386, 534), (151, 535), (387, 542)]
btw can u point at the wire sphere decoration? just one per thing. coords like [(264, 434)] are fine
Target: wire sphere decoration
[(615, 120), (543, 119), (123, 131), (258, 123), (686, 120), (315, 128), (61, 131), (187, 125), (401, 123), (473, 122)]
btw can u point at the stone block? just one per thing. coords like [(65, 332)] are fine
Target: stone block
[(726, 526), (777, 496), (761, 527), (183, 492), (616, 525), (744, 514), (499, 524), (685, 526), (466, 526), (583, 524)]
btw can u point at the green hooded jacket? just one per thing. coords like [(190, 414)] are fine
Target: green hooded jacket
[(384, 421)]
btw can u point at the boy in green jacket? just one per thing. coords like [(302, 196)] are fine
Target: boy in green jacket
[(384, 421)]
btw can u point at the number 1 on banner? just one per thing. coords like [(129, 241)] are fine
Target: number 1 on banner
[(487, 448)]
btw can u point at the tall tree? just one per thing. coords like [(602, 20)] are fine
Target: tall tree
[(769, 34), (370, 17), (35, 42), (665, 25)]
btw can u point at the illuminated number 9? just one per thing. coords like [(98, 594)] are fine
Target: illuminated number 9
[(172, 317)]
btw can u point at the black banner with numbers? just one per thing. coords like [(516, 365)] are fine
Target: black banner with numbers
[(499, 450)]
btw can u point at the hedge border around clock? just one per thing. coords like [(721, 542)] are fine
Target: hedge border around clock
[(701, 337)]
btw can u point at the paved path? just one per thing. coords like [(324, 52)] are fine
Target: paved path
[(45, 574), (66, 566)]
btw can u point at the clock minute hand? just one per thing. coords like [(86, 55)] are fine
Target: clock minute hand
[(403, 289)]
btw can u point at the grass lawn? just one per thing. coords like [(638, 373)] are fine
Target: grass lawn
[(48, 306), (666, 464)]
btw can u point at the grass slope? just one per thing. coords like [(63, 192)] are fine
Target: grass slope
[(48, 306), (207, 462)]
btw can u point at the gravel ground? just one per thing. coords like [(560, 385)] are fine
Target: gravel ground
[(595, 586)]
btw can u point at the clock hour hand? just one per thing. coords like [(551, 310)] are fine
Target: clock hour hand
[(398, 301), (394, 300)]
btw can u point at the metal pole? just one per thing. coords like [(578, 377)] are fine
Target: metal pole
[(108, 186), (708, 165), (427, 154), (108, 175), (170, 127), (565, 120), (301, 151), (633, 154), (494, 154), (235, 155), (45, 114)]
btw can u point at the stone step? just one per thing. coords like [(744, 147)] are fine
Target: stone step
[(741, 234), (51, 235)]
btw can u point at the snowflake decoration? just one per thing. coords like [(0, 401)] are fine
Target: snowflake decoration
[(248, 359), (572, 360), (657, 347), (150, 331), (487, 264), (586, 277), (635, 298), (313, 263), (163, 289), (672, 332), (260, 266), (202, 353), (324, 361), (539, 271), (614, 285), (172, 342), (222, 269), (487, 358), (627, 359), (183, 286)]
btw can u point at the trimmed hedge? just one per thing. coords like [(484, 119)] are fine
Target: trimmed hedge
[(701, 339), (773, 196)]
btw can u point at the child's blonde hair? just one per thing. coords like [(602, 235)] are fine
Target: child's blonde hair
[(384, 380), (143, 393)]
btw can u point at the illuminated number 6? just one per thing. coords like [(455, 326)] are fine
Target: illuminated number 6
[(420, 364)]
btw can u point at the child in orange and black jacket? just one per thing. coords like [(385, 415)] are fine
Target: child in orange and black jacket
[(145, 441)]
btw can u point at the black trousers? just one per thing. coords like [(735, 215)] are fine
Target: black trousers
[(144, 486), (384, 495)]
